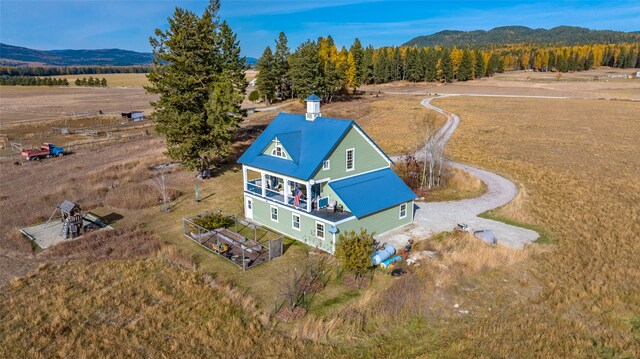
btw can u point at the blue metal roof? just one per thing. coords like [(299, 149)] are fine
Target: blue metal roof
[(372, 192), (313, 98), (307, 142)]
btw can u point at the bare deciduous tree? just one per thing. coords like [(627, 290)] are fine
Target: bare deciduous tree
[(160, 184)]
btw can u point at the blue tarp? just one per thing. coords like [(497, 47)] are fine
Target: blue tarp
[(372, 192)]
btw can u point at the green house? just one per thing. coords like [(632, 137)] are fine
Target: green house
[(311, 178)]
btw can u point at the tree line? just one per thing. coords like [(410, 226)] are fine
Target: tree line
[(91, 82), (71, 70), (319, 67), (32, 81)]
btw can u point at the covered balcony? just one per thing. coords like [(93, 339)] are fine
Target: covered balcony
[(278, 188)]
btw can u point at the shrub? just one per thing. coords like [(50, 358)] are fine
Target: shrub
[(354, 251), (254, 96), (214, 220)]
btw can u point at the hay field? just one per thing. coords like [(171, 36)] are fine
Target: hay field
[(578, 165), (35, 103)]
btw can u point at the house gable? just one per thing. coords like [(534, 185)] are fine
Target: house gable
[(366, 156), (272, 150)]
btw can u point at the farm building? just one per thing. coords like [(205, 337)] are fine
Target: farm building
[(312, 178), (134, 116)]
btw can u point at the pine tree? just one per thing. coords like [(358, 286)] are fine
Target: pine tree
[(198, 108), (446, 65), (368, 66), (465, 70), (281, 66), (103, 82), (233, 64), (78, 82), (305, 70), (431, 64), (357, 51), (479, 70), (267, 78), (493, 64)]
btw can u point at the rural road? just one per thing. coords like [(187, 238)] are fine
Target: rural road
[(433, 217)]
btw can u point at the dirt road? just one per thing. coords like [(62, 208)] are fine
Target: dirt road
[(433, 217)]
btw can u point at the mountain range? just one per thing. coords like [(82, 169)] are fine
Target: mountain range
[(21, 56), (506, 35)]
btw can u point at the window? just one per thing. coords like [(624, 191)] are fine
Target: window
[(295, 222), (403, 210), (249, 204), (278, 151), (320, 230), (351, 159), (326, 165), (274, 214)]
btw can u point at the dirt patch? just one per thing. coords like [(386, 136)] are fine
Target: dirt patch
[(286, 314)]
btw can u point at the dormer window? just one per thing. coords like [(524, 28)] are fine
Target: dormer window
[(278, 151)]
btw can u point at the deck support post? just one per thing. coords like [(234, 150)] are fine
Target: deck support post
[(286, 191), (264, 184), (308, 197), (244, 178)]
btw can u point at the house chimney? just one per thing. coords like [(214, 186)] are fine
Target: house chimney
[(313, 107)]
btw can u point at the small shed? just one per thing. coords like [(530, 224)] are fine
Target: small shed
[(134, 116), (71, 219)]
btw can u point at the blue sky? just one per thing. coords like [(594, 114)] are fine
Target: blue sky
[(91, 24)]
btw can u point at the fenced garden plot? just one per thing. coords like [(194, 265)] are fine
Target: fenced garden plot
[(240, 242)]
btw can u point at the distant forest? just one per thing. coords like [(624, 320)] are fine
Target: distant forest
[(71, 70), (510, 35), (32, 81), (319, 67)]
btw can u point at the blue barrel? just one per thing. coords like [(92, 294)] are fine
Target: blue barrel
[(384, 253), (388, 262)]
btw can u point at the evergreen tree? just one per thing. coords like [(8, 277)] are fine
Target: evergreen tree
[(368, 66), (198, 108), (103, 82), (267, 78), (479, 70), (305, 70), (78, 82), (431, 64), (281, 66), (561, 63), (414, 69), (358, 53), (446, 65), (233, 65), (465, 70)]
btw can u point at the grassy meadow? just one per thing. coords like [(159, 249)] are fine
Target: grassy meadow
[(577, 163)]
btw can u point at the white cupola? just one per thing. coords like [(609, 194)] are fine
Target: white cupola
[(313, 107)]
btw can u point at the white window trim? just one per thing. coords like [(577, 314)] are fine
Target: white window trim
[(271, 213), (250, 203), (353, 159), (293, 215), (405, 210), (324, 230), (328, 165), (274, 152)]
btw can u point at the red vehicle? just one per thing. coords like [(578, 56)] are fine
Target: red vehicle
[(46, 150)]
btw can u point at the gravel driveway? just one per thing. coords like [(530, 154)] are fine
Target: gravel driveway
[(433, 217)]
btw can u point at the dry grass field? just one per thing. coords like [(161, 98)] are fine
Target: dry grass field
[(576, 162), (578, 165), (37, 103)]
